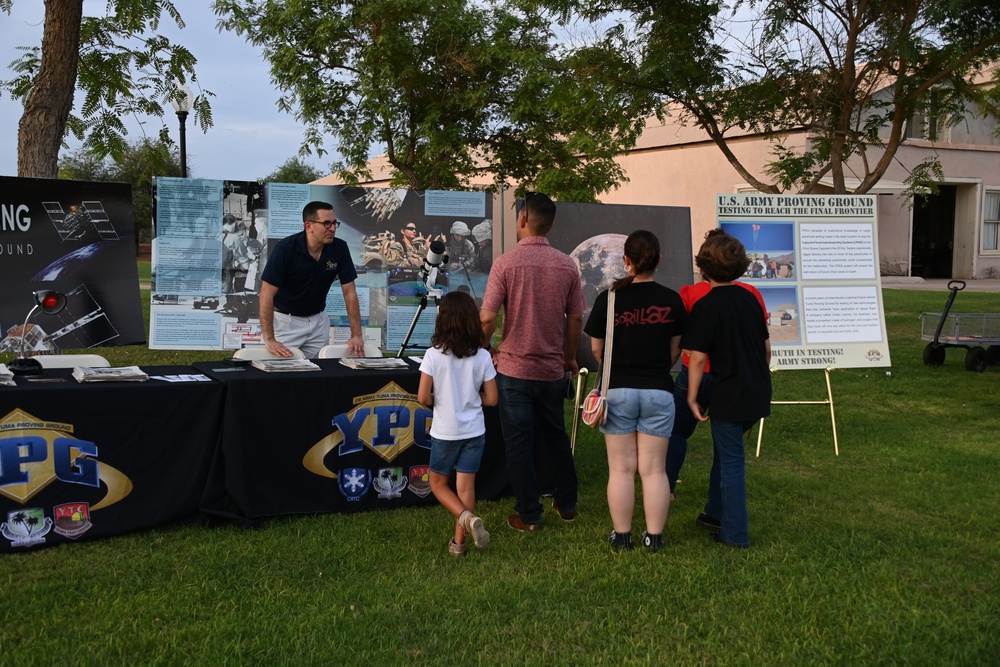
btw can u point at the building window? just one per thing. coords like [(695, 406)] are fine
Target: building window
[(929, 122), (991, 221)]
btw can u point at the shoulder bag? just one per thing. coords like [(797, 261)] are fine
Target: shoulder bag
[(595, 407)]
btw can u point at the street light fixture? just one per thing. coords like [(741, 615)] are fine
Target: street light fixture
[(181, 101)]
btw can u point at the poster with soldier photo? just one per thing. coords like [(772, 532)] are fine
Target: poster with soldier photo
[(214, 237)]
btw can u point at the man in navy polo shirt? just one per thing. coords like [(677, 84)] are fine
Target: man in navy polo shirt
[(296, 279)]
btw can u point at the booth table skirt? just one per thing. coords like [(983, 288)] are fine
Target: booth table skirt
[(84, 461), (331, 440)]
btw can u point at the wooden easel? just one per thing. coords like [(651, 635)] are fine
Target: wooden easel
[(828, 401)]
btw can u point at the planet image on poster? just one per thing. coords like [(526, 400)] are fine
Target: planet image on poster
[(72, 263), (601, 261)]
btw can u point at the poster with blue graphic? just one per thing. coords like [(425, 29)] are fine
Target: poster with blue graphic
[(76, 238), (214, 238), (814, 259)]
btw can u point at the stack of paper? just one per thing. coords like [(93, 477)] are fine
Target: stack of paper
[(6, 376), (285, 365), (118, 374), (374, 363)]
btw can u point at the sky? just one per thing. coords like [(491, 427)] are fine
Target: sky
[(250, 137)]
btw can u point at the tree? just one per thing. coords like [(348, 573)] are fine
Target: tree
[(852, 73), (122, 67), (140, 163), (294, 170), (449, 88)]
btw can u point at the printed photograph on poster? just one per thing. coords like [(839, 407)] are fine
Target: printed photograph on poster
[(770, 247), (783, 314)]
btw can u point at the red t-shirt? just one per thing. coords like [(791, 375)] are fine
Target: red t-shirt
[(690, 295)]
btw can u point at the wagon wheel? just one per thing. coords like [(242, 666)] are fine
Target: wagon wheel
[(993, 355), (975, 360), (933, 356)]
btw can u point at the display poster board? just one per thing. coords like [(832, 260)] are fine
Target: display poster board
[(73, 237), (213, 238), (594, 236), (814, 259)]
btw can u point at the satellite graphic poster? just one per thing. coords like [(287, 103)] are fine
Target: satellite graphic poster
[(814, 259), (594, 236), (213, 238), (76, 238)]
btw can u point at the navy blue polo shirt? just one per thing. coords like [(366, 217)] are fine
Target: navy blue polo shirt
[(302, 281)]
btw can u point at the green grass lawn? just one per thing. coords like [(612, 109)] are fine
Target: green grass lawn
[(886, 555), (145, 271)]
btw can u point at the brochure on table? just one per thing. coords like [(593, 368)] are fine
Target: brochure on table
[(814, 259), (213, 239)]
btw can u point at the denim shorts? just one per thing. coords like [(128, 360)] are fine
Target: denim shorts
[(460, 455), (649, 411)]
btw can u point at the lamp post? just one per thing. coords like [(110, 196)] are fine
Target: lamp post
[(181, 101)]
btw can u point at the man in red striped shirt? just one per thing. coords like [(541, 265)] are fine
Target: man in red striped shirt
[(540, 292)]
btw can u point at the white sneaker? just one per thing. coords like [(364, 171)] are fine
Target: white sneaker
[(473, 525)]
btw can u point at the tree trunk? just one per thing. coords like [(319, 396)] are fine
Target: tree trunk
[(40, 132)]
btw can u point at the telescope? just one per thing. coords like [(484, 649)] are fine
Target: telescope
[(428, 273)]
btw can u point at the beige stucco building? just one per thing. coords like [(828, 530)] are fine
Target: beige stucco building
[(952, 234)]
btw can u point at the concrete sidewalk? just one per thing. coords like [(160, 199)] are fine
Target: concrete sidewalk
[(938, 285)]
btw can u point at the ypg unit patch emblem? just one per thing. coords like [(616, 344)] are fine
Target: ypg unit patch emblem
[(26, 527), (390, 483), (354, 483), (72, 519), (420, 481)]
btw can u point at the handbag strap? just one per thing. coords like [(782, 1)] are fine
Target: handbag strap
[(609, 340)]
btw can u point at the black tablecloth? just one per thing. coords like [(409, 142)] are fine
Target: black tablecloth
[(83, 461), (331, 440)]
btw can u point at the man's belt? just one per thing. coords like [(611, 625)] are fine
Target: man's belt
[(285, 312)]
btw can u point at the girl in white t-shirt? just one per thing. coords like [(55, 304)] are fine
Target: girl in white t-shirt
[(457, 378)]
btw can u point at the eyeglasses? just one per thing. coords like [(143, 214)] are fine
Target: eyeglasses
[(329, 224), (411, 229)]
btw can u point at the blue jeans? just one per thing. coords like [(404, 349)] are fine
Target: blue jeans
[(727, 483), (527, 407), (684, 422)]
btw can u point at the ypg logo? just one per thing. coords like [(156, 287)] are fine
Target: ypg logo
[(387, 422), (34, 454)]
